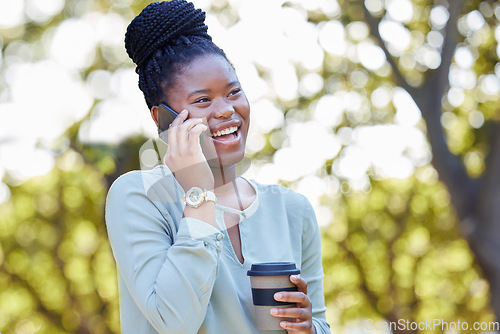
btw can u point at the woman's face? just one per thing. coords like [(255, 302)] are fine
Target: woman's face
[(209, 88)]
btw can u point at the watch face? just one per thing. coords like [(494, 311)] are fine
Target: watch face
[(194, 196)]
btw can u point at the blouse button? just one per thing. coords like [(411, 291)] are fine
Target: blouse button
[(220, 236)]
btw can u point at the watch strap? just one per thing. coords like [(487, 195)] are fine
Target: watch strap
[(210, 196)]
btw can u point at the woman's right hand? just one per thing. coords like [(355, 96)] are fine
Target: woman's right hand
[(185, 157)]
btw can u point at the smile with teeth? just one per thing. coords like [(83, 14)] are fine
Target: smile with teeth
[(224, 132)]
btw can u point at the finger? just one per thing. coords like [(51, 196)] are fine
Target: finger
[(299, 282), (194, 134), (180, 118), (208, 144), (292, 312), (300, 327), (292, 297), (172, 137), (182, 130), (189, 124), (181, 133)]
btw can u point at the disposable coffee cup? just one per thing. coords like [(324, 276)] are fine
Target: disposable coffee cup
[(266, 279)]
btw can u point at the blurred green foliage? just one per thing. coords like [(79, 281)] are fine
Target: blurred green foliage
[(392, 251), (395, 253), (57, 271)]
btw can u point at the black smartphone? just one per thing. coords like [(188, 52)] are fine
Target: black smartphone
[(166, 116)]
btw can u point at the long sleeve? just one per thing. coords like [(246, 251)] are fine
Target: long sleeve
[(169, 274), (312, 268)]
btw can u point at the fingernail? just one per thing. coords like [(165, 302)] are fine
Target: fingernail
[(278, 295), (274, 311), (283, 324), (184, 111), (295, 277)]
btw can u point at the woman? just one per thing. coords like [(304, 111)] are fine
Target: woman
[(182, 261)]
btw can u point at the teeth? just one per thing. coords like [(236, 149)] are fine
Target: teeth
[(225, 131)]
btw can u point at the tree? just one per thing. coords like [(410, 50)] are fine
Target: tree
[(464, 154), (474, 197)]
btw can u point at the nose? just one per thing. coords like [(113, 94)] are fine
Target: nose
[(223, 109)]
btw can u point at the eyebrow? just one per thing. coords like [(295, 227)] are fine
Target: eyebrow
[(208, 90), (198, 92)]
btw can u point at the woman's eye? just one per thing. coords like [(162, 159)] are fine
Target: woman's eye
[(235, 91), (202, 100)]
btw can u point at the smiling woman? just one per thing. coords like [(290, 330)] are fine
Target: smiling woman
[(183, 263), (210, 90)]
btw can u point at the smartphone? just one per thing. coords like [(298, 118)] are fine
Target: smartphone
[(166, 116)]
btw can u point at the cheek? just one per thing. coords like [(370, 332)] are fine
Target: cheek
[(197, 114), (244, 133), (244, 109)]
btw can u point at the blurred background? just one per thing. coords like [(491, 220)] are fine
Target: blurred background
[(384, 113)]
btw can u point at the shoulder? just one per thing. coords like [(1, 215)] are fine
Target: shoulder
[(129, 179), (143, 194), (138, 176), (138, 180), (157, 185), (125, 187)]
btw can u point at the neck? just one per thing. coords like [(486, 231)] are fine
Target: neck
[(223, 175)]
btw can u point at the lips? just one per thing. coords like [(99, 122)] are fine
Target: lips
[(232, 122), (225, 131), (228, 139)]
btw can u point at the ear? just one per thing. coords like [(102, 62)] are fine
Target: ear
[(154, 114)]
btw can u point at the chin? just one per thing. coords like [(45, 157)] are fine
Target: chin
[(227, 160)]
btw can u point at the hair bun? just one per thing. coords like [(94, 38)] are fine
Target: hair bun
[(161, 24)]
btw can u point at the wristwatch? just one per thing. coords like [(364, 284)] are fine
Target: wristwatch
[(196, 196)]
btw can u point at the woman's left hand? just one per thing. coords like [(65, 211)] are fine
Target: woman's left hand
[(302, 313)]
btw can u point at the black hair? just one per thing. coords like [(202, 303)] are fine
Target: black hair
[(161, 39)]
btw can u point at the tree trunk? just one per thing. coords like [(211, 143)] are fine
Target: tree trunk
[(485, 237), (476, 201)]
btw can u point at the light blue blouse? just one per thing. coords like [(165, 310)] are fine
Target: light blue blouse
[(181, 275)]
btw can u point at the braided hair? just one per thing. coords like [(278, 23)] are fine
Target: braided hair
[(163, 38)]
